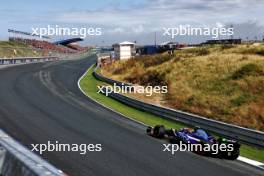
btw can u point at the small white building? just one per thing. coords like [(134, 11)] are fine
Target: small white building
[(124, 50)]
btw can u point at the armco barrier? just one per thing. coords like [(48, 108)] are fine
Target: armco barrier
[(17, 160), (23, 60), (251, 137)]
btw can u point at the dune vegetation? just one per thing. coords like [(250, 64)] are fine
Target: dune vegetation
[(222, 82)]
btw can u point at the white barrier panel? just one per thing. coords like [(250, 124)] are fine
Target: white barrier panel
[(15, 159)]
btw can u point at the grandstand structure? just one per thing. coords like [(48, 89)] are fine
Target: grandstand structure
[(71, 43), (44, 42), (21, 34)]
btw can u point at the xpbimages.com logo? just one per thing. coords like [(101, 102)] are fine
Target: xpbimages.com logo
[(124, 89), (62, 147), (56, 30), (187, 30)]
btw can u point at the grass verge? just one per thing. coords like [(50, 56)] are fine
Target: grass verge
[(89, 85)]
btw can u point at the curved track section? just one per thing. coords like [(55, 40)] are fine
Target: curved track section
[(41, 102)]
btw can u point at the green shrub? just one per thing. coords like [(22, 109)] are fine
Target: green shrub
[(149, 78), (202, 52), (226, 46), (241, 99), (238, 101), (119, 70), (157, 60), (252, 50), (247, 70), (260, 52)]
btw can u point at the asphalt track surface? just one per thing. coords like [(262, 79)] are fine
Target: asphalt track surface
[(42, 102)]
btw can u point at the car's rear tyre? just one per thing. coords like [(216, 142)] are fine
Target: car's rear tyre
[(201, 151), (159, 131), (174, 140), (149, 129), (232, 155)]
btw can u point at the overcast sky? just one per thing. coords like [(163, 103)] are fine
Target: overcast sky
[(135, 20)]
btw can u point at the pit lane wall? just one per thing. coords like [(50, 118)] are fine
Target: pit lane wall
[(244, 135)]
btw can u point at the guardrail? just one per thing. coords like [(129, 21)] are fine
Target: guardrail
[(245, 135), (15, 159), (103, 55), (24, 60)]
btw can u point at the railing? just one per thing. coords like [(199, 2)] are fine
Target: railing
[(245, 135), (26, 60), (15, 159)]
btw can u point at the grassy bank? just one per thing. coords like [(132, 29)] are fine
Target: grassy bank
[(225, 83), (16, 49), (89, 85)]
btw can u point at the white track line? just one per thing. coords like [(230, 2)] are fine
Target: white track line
[(105, 105), (251, 162)]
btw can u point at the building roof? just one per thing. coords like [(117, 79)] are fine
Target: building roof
[(68, 41), (124, 43), (168, 43)]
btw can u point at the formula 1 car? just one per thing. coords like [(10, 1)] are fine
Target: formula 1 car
[(197, 135)]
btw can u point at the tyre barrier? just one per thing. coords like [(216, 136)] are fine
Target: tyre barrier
[(244, 135)]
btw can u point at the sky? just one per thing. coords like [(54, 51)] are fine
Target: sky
[(136, 20)]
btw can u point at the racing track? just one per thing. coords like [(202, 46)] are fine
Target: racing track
[(41, 102)]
